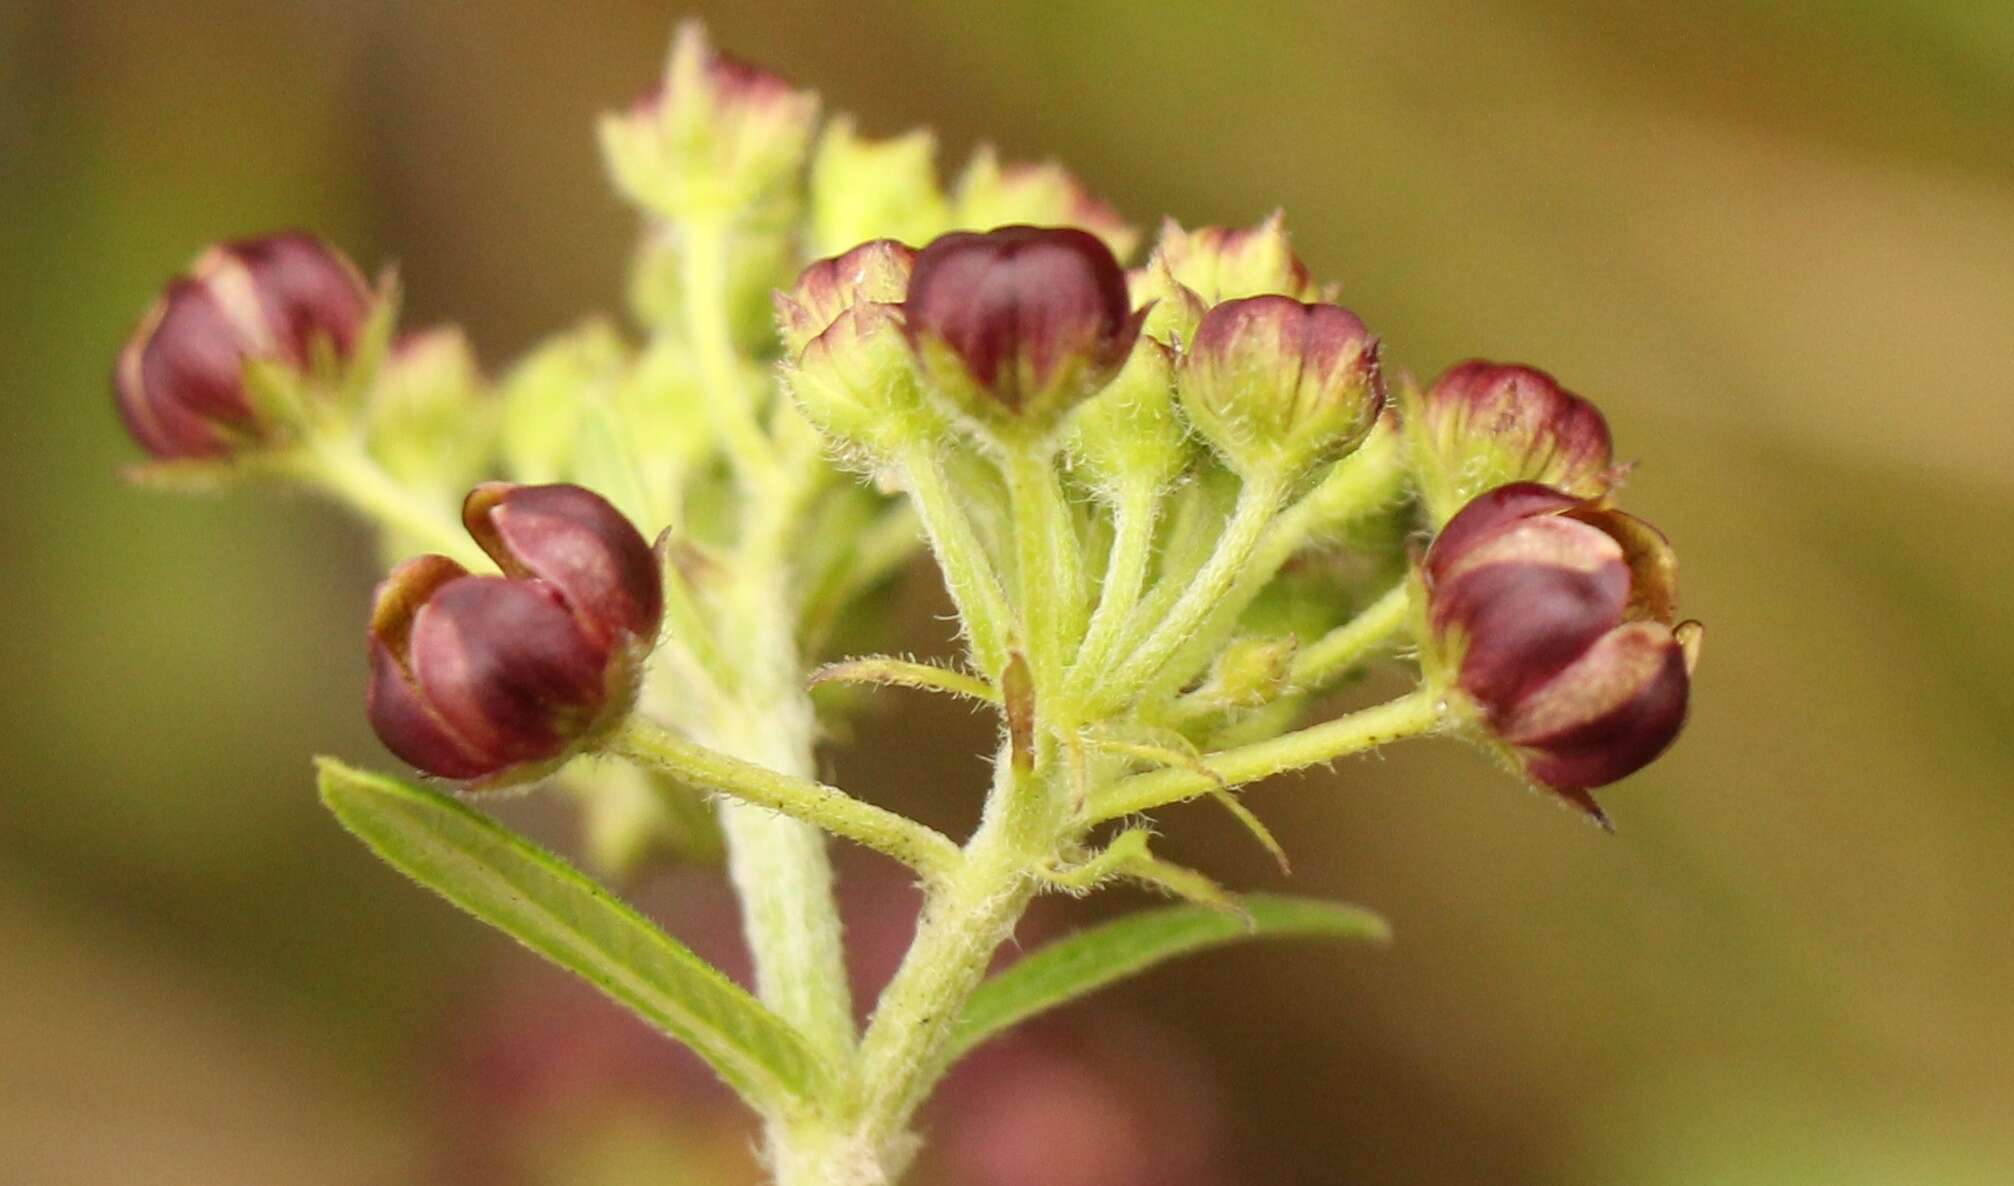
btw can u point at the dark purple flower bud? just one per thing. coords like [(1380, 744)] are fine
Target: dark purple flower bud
[(1277, 386), (180, 379), (875, 272), (1554, 617), (477, 677), (1016, 325), (1484, 424)]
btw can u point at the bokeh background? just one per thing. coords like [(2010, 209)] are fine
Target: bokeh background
[(1774, 238)]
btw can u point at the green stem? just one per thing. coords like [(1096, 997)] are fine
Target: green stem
[(1411, 715), (1048, 570), (704, 264), (341, 469), (1340, 649), (1133, 518), (1258, 503), (1364, 481), (908, 1045), (921, 848), (905, 673), (968, 573), (781, 871)]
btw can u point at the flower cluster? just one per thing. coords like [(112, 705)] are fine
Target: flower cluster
[(1175, 506)]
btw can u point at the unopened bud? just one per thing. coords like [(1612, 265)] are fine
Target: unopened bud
[(1482, 425), (717, 135), (875, 272), (857, 382), (499, 678), (991, 194), (1192, 270), (288, 299), (428, 421), (1015, 326), (1554, 618), (1277, 386), (865, 189)]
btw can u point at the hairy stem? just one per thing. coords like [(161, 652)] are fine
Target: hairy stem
[(1412, 715), (1349, 644), (704, 262), (1134, 513), (1048, 571), (921, 848), (965, 920), (968, 573), (1258, 503)]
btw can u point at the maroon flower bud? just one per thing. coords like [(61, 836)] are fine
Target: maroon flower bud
[(875, 272), (1016, 325), (180, 379), (1554, 617), (1484, 424), (1277, 386), (476, 677)]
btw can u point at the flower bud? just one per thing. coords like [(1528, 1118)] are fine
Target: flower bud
[(874, 272), (991, 194), (498, 678), (1482, 425), (1016, 325), (428, 421), (865, 189), (1130, 431), (286, 299), (547, 396), (1193, 270), (1277, 386), (716, 135), (857, 382), (1553, 617)]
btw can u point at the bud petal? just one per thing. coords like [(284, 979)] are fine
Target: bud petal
[(506, 666), (1223, 264), (1018, 324), (874, 272), (1553, 617), (403, 720), (1277, 386), (573, 540), (305, 290), (1608, 714), (1483, 424), (180, 379), (993, 195)]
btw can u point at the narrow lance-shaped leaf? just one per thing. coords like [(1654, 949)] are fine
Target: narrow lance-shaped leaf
[(1110, 952), (558, 912)]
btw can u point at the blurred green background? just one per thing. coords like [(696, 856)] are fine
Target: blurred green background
[(1775, 240)]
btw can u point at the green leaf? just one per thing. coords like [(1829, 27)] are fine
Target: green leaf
[(1110, 952), (558, 912)]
